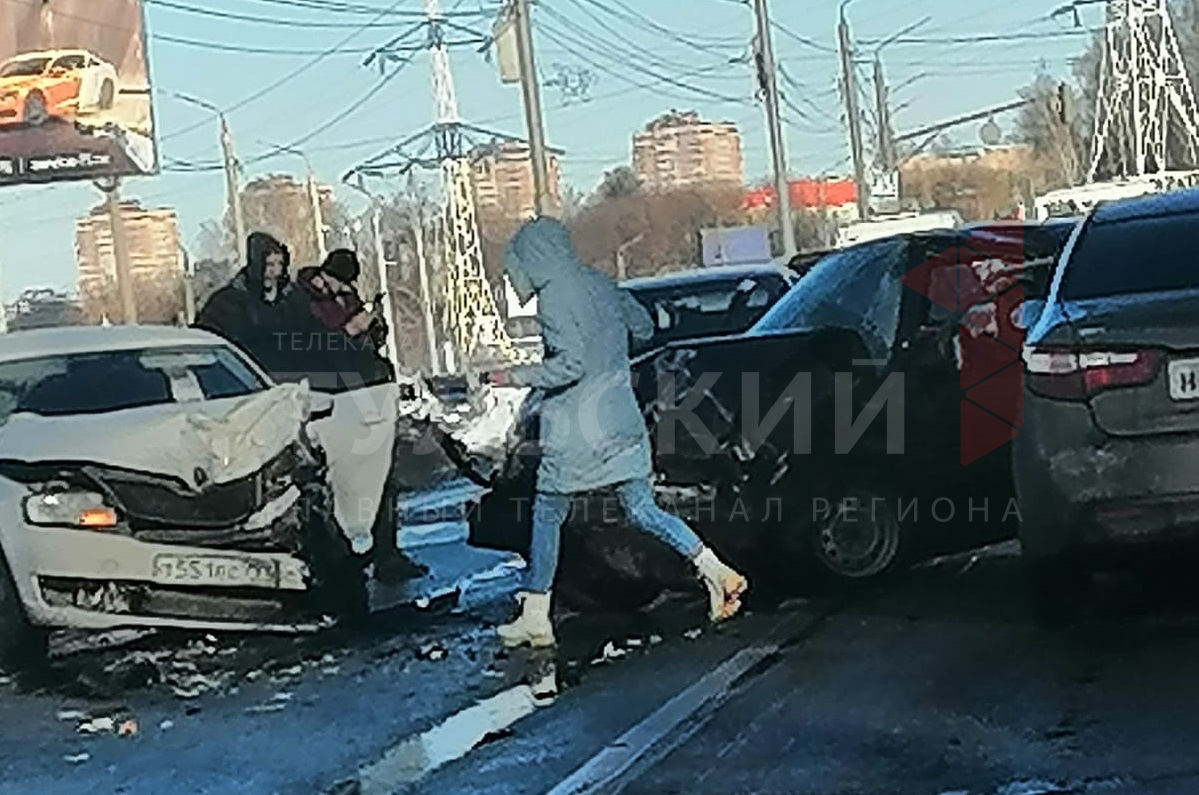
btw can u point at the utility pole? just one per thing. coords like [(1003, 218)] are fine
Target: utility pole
[(120, 252), (531, 94), (381, 265), (189, 287), (853, 115), (768, 84), (318, 218), (233, 191), (3, 306), (886, 144), (426, 294)]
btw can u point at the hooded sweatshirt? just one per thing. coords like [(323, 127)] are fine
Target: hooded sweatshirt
[(592, 431), (248, 313)]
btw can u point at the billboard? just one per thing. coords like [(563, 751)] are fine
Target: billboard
[(75, 98)]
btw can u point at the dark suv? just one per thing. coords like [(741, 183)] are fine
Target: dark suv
[(1109, 449)]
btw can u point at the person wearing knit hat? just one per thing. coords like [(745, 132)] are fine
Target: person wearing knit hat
[(342, 265)]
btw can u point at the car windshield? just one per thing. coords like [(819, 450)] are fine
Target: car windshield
[(94, 383), (1140, 255), (853, 289), (26, 67), (710, 307)]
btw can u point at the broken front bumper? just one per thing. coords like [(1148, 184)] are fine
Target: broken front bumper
[(95, 581), (268, 572)]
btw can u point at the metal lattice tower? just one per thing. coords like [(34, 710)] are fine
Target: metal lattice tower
[(472, 317), (1146, 112), (471, 312)]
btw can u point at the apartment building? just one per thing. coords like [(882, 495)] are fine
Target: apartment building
[(681, 150)]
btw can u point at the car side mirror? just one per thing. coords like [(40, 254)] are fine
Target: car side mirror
[(321, 409)]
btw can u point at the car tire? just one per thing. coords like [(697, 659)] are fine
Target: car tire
[(35, 112), (22, 645), (108, 95), (847, 549), (1056, 586)]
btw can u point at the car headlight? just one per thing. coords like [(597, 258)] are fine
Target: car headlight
[(82, 509)]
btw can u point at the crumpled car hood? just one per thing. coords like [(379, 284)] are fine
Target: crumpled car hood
[(214, 442)]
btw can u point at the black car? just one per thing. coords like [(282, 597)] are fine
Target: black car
[(1107, 456), (706, 302), (840, 436)]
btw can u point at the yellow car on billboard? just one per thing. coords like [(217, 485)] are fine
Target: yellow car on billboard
[(37, 86)]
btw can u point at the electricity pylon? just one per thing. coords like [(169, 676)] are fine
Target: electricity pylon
[(1146, 113), (472, 315)]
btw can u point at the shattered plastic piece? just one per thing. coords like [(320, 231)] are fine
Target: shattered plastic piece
[(654, 640), (72, 714), (692, 634), (610, 652), (5, 680), (432, 652), (294, 670), (77, 759), (166, 725), (260, 709), (127, 729), (633, 643), (97, 726)]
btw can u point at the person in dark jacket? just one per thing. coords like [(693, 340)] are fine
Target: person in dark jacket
[(248, 310), (326, 306), (592, 432)]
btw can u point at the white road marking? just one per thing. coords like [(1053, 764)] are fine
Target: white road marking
[(677, 720), (452, 739)]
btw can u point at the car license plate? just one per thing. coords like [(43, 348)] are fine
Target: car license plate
[(215, 570), (1184, 379)]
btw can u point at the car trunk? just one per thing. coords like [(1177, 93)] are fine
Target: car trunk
[(1167, 399)]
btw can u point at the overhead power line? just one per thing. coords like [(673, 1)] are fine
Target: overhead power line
[(622, 58), (642, 53), (399, 16), (258, 94), (804, 40), (984, 38), (623, 10), (332, 6), (252, 50)]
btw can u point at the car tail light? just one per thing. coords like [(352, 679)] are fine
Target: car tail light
[(1068, 374)]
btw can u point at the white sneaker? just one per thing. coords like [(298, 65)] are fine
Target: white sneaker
[(725, 586), (533, 626)]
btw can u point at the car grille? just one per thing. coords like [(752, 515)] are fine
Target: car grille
[(150, 501)]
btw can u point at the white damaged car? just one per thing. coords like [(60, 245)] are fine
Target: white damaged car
[(155, 477)]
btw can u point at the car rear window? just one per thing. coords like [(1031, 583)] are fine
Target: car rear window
[(95, 383), (708, 309), (1139, 255)]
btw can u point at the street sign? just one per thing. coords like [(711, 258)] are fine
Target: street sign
[(75, 94)]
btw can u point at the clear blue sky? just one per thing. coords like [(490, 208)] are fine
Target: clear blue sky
[(641, 71)]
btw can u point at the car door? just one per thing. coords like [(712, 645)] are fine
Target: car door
[(926, 354)]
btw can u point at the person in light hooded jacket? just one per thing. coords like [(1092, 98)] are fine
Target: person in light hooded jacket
[(592, 432)]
